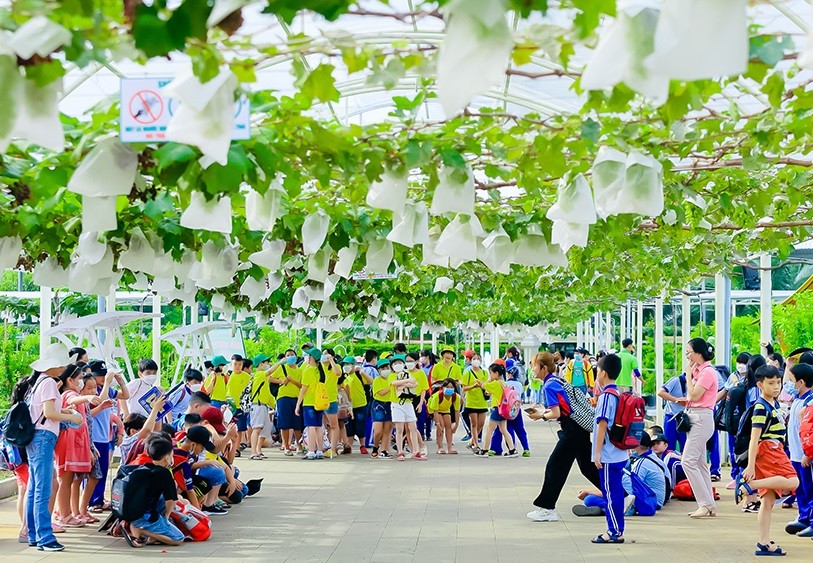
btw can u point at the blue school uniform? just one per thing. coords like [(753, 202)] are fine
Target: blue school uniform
[(804, 492), (613, 460), (677, 388)]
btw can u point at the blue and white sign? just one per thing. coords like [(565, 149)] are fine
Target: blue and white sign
[(145, 112)]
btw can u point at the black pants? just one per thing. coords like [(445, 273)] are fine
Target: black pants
[(574, 444)]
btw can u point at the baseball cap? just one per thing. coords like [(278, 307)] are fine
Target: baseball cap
[(218, 361), (260, 358), (349, 360), (306, 346), (97, 367), (509, 363), (398, 358), (200, 435), (382, 362), (468, 354), (500, 361), (214, 416), (660, 438), (314, 353)]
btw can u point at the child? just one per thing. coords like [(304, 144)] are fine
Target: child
[(799, 384), (495, 387), (609, 459), (516, 427), (161, 495), (660, 446), (769, 468), (444, 403), (382, 410), (402, 409)]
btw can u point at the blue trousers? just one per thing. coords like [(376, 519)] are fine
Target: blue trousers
[(424, 423), (368, 442), (40, 479), (804, 493), (735, 471), (97, 499), (612, 487), (516, 428), (672, 435), (713, 447)]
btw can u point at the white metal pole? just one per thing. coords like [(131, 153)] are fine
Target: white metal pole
[(319, 338), (608, 331), (156, 330), (765, 291), (622, 324), (686, 323), (597, 334), (482, 343), (45, 316), (639, 335), (434, 343), (659, 355), (421, 339), (722, 319)]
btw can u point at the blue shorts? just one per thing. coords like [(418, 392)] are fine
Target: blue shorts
[(242, 421), (333, 408), (382, 411), (312, 417), (161, 526), (286, 414), (495, 415), (214, 475), (357, 426)]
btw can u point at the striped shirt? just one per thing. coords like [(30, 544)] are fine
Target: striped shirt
[(770, 421)]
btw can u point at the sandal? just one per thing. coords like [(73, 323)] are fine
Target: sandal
[(763, 549), (608, 538), (257, 457), (131, 540), (738, 486), (401, 457), (441, 452), (89, 518), (452, 451)]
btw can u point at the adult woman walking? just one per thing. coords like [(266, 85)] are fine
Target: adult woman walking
[(701, 396)]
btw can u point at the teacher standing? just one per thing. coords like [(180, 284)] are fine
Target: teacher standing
[(701, 395)]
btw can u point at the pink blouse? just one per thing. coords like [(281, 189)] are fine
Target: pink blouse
[(706, 376)]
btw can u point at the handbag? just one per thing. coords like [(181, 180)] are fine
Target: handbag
[(682, 421)]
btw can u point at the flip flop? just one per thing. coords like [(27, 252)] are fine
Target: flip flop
[(612, 539)]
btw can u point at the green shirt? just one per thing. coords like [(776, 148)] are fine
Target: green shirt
[(628, 363)]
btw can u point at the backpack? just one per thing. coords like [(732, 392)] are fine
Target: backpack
[(345, 406), (683, 491), (735, 407), (127, 498), (581, 410), (510, 405), (743, 436), (806, 428), (628, 426), (321, 401), (18, 428), (518, 371), (193, 523)]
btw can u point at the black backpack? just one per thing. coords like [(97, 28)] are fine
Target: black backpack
[(735, 407), (127, 495), (17, 426), (743, 435)]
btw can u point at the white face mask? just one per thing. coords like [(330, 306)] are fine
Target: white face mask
[(347, 368), (385, 372), (476, 363), (149, 379), (81, 385), (742, 368), (195, 387), (410, 366), (398, 368)]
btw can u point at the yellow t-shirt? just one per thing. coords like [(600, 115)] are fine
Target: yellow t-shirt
[(445, 403), (441, 372), (357, 395), (237, 382), (310, 377), (219, 391), (289, 389), (495, 388), (379, 384), (331, 383), (474, 397), (423, 381), (261, 383)]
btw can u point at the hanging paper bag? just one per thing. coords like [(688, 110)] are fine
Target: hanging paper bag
[(109, 169), (389, 192), (10, 249), (567, 235), (453, 195), (328, 309), (216, 268), (496, 251), (314, 232), (403, 226), (533, 249), (458, 240), (430, 257), (49, 273), (39, 36), (379, 256), (318, 264), (37, 117), (574, 202), (347, 257), (443, 284), (420, 228), (270, 257), (262, 211), (698, 39), (609, 175), (255, 290), (214, 215), (643, 187)]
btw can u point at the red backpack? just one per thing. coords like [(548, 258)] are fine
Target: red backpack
[(806, 428), (628, 426)]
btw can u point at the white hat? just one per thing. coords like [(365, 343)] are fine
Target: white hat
[(54, 356)]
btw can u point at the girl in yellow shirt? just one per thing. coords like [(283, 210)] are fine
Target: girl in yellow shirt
[(495, 387), (476, 405), (447, 401)]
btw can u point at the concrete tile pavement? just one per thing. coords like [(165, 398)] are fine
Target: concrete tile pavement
[(451, 508)]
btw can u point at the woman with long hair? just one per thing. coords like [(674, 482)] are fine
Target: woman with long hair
[(312, 373)]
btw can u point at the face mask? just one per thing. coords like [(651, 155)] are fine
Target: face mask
[(324, 359), (742, 368), (81, 385), (410, 366), (398, 368), (577, 357), (790, 389), (448, 392), (149, 379), (290, 360), (347, 368), (195, 387), (476, 363), (384, 372)]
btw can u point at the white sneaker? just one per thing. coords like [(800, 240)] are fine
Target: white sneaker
[(543, 515), (424, 451), (628, 502)]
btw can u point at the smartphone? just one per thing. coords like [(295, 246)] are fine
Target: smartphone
[(530, 410)]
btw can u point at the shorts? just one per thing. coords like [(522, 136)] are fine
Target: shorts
[(403, 412), (21, 474), (357, 426), (495, 415), (468, 410), (213, 475), (261, 420), (242, 421), (312, 417), (161, 526), (772, 461), (333, 408), (382, 411), (286, 417)]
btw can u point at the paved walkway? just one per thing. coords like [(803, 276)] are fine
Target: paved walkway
[(451, 508)]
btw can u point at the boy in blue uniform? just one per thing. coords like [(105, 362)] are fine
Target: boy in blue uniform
[(798, 384), (609, 459)]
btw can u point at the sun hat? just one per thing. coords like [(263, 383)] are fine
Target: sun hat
[(314, 353), (349, 360), (398, 358), (449, 351), (54, 356), (260, 358), (219, 361), (382, 362)]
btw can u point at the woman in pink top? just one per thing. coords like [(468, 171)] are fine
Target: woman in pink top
[(701, 395)]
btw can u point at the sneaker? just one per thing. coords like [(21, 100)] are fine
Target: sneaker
[(732, 485), (309, 456), (511, 453), (52, 546), (752, 507), (795, 527), (806, 533), (482, 454), (289, 453), (491, 453), (582, 510), (628, 502), (214, 510), (320, 455), (715, 477), (384, 455), (467, 437), (544, 515), (526, 453), (363, 451)]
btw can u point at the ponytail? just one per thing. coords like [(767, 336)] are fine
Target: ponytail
[(322, 376), (24, 387)]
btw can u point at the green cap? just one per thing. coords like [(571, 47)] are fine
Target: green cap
[(349, 360), (382, 362), (314, 353), (399, 358), (260, 358), (218, 361)]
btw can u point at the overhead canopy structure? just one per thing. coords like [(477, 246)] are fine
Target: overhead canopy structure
[(509, 161), (193, 344)]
